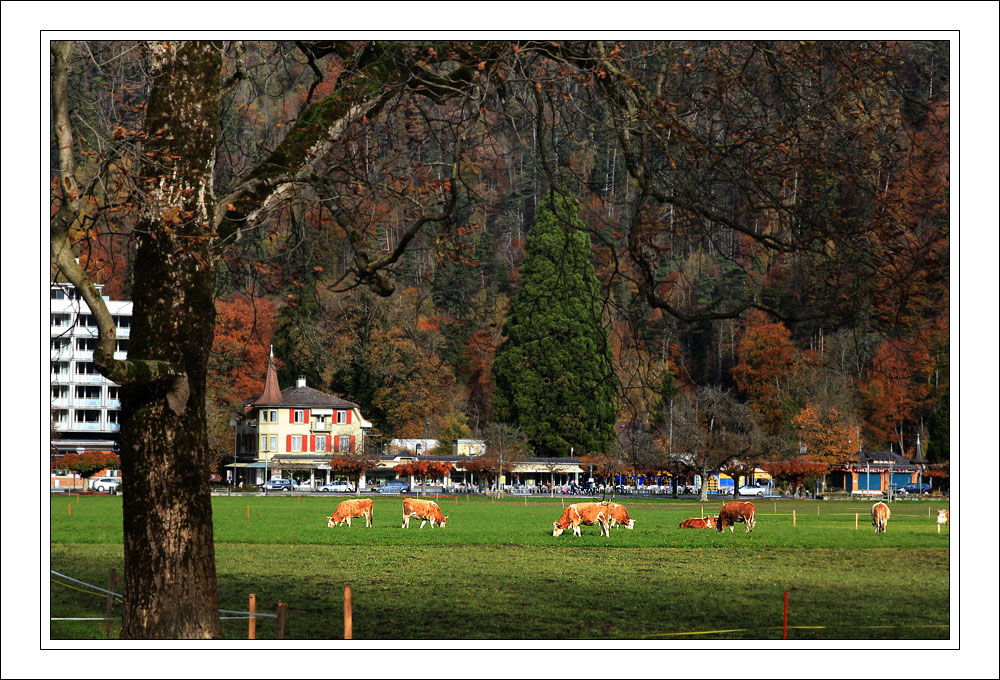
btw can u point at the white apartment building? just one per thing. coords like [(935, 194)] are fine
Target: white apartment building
[(84, 403)]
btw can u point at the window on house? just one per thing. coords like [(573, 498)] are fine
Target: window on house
[(113, 393), (274, 442), (87, 416), (60, 320), (60, 367), (88, 392), (86, 368), (299, 416), (121, 345), (60, 415), (86, 344), (57, 294), (113, 416), (296, 442), (263, 416), (86, 320), (341, 417), (344, 444), (321, 444), (263, 442), (60, 392), (60, 344), (122, 321)]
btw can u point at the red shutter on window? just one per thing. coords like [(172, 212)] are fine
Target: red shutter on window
[(288, 445), (329, 445), (348, 417), (312, 442), (352, 441), (306, 421), (291, 415)]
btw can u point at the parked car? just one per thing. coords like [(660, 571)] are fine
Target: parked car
[(753, 490), (914, 487), (393, 486), (336, 487), (277, 485), (304, 485), (101, 484)]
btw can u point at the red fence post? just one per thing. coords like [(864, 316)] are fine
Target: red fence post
[(784, 625)]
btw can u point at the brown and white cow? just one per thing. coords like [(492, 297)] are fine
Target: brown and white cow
[(619, 515), (737, 511), (425, 511), (943, 518), (359, 507), (880, 517), (583, 513), (699, 522)]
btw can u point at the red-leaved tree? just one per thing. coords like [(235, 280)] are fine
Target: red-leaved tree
[(87, 463), (794, 471), (422, 469)]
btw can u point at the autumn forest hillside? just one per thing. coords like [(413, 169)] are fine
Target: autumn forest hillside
[(766, 226)]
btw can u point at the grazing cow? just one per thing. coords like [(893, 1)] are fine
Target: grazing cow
[(360, 507), (734, 512), (699, 522), (619, 515), (583, 513), (880, 517), (943, 518), (425, 511)]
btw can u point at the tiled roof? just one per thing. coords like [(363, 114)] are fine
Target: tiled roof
[(882, 459), (308, 397), (305, 397)]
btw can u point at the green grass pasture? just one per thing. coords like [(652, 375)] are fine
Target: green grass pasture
[(496, 571)]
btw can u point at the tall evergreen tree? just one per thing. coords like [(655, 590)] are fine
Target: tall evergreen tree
[(554, 374)]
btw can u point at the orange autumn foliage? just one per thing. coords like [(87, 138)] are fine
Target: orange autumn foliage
[(767, 356), (829, 436), (244, 328)]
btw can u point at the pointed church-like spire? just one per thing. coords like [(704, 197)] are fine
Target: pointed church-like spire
[(271, 393)]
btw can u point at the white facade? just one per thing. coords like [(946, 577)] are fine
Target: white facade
[(82, 400)]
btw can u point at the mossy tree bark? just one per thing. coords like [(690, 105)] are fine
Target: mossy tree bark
[(170, 589)]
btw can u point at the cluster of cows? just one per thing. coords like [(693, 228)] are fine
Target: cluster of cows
[(607, 514), (425, 511)]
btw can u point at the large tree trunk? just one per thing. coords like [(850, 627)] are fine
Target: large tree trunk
[(170, 589)]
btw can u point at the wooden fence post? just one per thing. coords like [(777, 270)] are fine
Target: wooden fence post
[(793, 518), (69, 509), (110, 603), (856, 515), (253, 618), (348, 623), (281, 620)]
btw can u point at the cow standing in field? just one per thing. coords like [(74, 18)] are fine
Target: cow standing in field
[(619, 515), (360, 507), (699, 522), (425, 511), (583, 513), (880, 517), (734, 512), (942, 518)]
